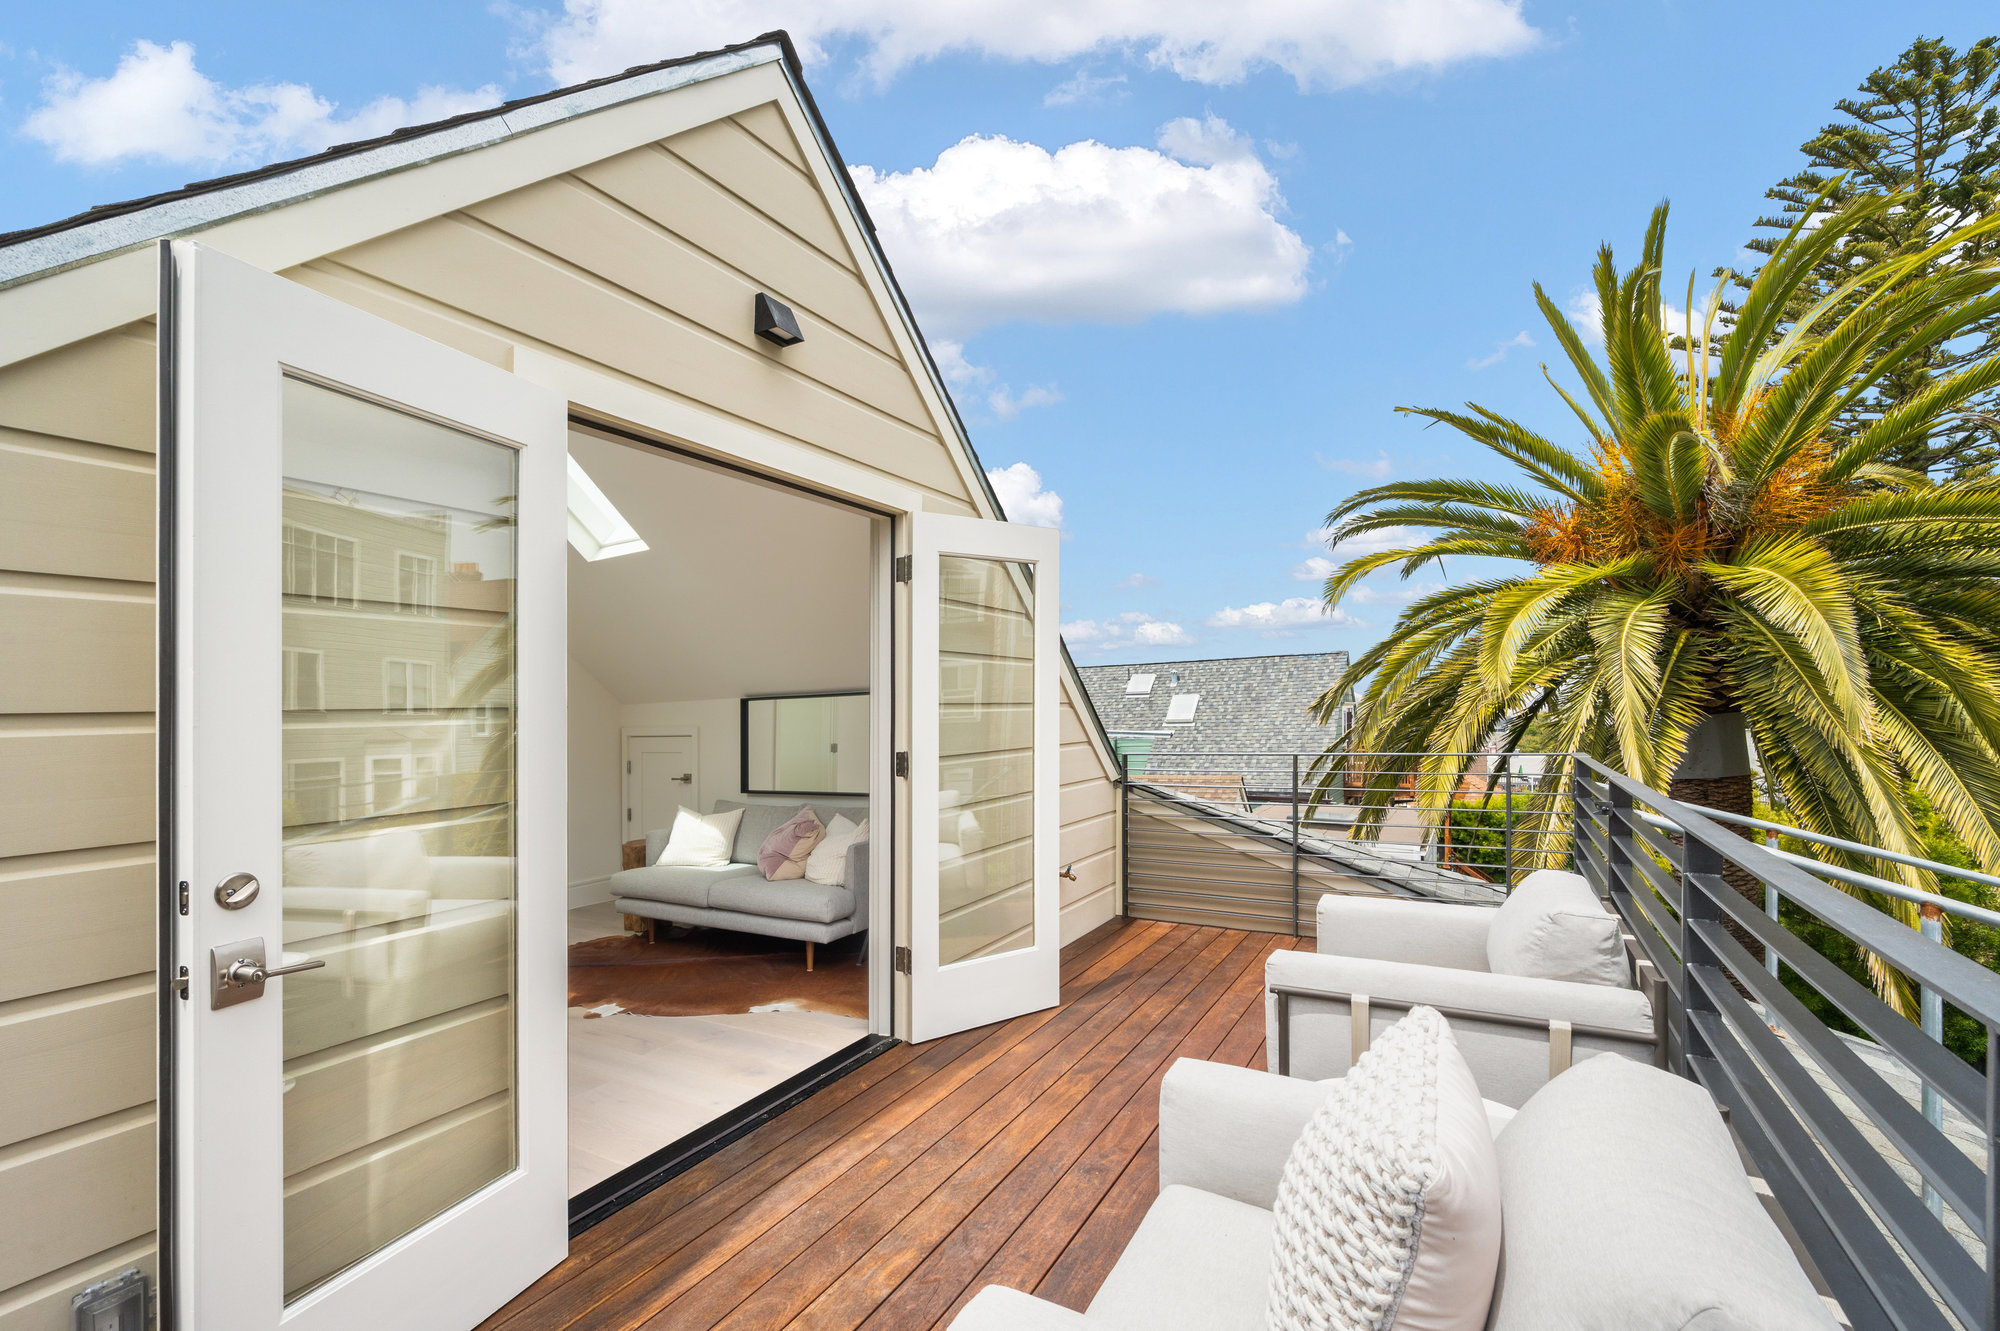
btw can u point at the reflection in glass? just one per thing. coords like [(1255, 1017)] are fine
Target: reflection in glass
[(986, 759), (398, 591), (812, 744)]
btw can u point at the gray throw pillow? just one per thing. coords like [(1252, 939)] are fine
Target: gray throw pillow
[(1553, 927), (1624, 1204)]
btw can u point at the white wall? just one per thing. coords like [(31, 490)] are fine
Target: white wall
[(596, 786), (716, 721)]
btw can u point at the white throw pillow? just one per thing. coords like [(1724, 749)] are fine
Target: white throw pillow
[(1388, 1211), (700, 840), (1553, 927), (828, 862)]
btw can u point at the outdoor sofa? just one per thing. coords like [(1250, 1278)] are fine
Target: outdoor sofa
[(1623, 1204), (738, 896), (1376, 956)]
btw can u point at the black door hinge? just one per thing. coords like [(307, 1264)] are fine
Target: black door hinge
[(906, 568), (902, 961), (902, 763)]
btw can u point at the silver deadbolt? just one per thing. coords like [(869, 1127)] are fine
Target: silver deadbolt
[(236, 972), (236, 891)]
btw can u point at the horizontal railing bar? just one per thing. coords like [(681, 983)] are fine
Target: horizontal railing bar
[(1674, 855), (1924, 1056), (1901, 1296), (1666, 884), (1662, 957), (1285, 920), (1856, 1300), (1873, 883), (1958, 979), (1854, 847), (1936, 1254), (1962, 1183)]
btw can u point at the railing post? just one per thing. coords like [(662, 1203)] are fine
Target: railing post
[(1125, 834), (1295, 845), (1618, 840), (1507, 789), (1992, 1178), (1930, 1013), (1701, 864), (1771, 903)]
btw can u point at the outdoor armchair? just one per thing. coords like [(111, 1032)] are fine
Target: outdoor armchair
[(1377, 956)]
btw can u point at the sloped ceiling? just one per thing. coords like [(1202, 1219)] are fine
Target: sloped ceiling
[(746, 588)]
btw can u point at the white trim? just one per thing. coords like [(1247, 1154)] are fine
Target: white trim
[(43, 256), (589, 891)]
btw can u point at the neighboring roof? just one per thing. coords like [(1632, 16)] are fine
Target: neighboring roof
[(1250, 706)]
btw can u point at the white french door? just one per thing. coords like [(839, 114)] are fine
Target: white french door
[(985, 933), (369, 815)]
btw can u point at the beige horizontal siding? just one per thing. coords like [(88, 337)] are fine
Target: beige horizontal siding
[(1089, 828), (77, 1137)]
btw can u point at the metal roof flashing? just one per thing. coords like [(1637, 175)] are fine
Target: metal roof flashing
[(40, 253)]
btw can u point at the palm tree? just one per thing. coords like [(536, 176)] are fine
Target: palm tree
[(1713, 557)]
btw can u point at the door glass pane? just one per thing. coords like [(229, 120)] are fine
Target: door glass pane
[(398, 591), (986, 758)]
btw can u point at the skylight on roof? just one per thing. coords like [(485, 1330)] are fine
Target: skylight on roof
[(1181, 710), (596, 528), (1138, 685)]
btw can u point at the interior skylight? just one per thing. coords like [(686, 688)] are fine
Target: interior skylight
[(1181, 709), (1139, 684), (596, 528)]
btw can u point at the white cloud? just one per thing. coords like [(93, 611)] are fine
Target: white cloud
[(1392, 594), (1134, 628), (1294, 612), (1368, 543), (1000, 398), (1500, 350), (1023, 498), (997, 230), (1377, 470), (1137, 581), (1317, 569), (1084, 86), (158, 106), (1331, 44)]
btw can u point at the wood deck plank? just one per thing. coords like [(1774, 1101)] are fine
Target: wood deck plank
[(1023, 1153)]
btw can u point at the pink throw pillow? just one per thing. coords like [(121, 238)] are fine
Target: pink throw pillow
[(784, 852)]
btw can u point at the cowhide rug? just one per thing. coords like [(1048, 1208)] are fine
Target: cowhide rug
[(710, 971)]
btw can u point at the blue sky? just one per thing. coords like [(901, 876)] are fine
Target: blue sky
[(1192, 261)]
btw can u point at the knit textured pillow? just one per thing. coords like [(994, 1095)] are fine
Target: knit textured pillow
[(1388, 1212)]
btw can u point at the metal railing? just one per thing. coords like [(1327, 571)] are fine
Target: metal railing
[(1897, 1215), (1253, 840)]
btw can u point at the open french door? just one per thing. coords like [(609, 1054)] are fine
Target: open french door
[(985, 938), (367, 737)]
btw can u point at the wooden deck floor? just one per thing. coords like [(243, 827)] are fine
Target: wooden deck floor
[(1021, 1154)]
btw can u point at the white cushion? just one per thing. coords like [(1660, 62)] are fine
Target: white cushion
[(1553, 927), (700, 841), (827, 864), (1388, 1214)]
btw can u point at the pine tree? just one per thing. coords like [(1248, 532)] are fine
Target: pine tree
[(1928, 125)]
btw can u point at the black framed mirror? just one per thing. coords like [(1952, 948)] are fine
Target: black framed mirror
[(806, 744)]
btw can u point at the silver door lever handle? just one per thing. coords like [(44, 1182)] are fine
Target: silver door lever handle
[(243, 971)]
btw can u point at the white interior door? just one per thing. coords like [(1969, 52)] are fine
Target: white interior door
[(985, 768), (369, 774), (660, 776)]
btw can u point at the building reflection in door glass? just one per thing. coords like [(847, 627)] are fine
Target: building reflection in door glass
[(397, 577), (986, 758)]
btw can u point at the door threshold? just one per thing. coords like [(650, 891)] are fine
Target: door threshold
[(601, 1201)]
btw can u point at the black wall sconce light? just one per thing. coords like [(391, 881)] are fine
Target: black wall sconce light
[(776, 323)]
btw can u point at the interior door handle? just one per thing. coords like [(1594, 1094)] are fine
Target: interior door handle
[(685, 777), (237, 972)]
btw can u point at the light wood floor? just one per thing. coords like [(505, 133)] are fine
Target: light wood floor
[(637, 1083), (1020, 1154)]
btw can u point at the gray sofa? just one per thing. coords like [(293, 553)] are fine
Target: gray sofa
[(738, 896), (1624, 1204)]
